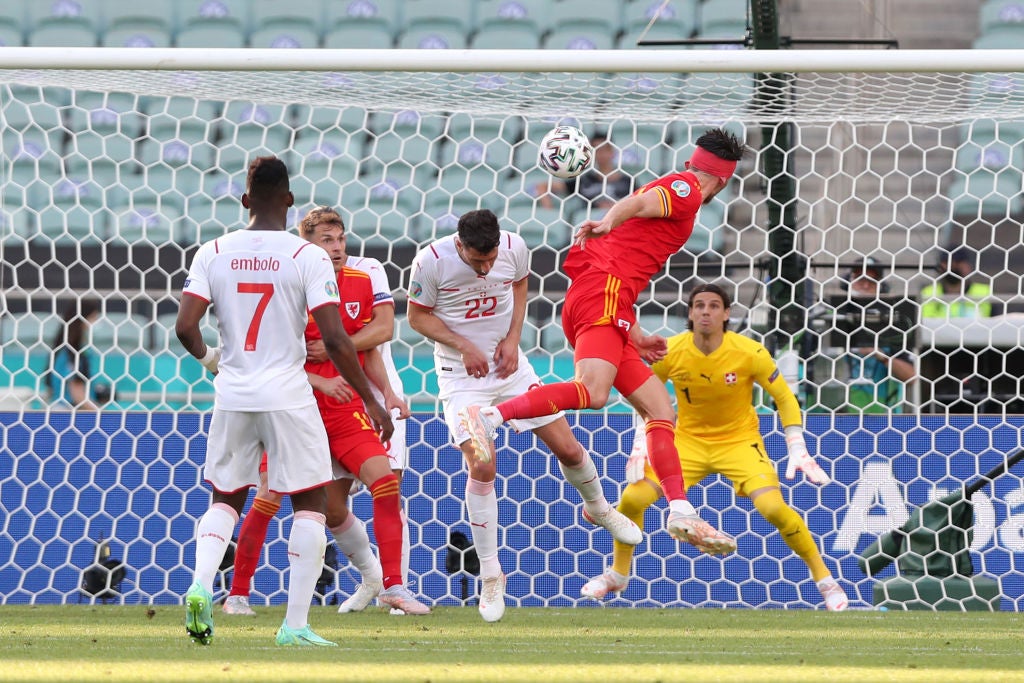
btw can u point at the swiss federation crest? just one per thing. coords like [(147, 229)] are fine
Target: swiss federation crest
[(730, 378), (352, 308)]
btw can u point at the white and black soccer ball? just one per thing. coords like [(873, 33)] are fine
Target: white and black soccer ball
[(566, 152)]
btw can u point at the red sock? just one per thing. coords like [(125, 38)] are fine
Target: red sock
[(664, 458), (250, 542), (546, 400), (387, 527)]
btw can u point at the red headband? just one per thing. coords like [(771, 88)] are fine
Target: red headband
[(705, 161)]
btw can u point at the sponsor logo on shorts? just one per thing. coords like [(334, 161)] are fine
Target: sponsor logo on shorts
[(681, 188), (624, 324)]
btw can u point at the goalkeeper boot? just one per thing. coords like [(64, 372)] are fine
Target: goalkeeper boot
[(237, 606), (398, 597), (835, 596), (362, 597), (698, 533), (302, 637), (199, 614), (621, 527), (492, 597), (609, 582), (481, 425)]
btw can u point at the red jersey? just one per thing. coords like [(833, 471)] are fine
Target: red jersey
[(639, 247), (356, 312)]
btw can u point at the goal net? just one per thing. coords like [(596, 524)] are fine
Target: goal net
[(117, 163)]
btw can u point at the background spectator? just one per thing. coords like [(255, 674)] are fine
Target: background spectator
[(955, 280), (70, 374)]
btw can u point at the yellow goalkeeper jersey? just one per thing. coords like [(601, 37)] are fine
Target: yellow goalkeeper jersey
[(715, 392)]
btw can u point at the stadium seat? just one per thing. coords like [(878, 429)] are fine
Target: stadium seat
[(312, 120), (158, 14), (722, 18), (305, 16), (379, 215), (580, 36), (359, 36), (290, 37), (513, 14), (454, 16), (214, 210), (506, 37), (33, 331), (193, 12), (123, 331), (145, 219), (382, 15), (436, 38), (584, 16), (677, 19), (331, 154), (709, 229), (210, 35), (538, 226), (39, 124), (11, 33), (995, 14), (140, 36), (629, 39), (69, 32), (75, 210), (248, 130)]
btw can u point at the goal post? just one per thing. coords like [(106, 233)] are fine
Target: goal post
[(117, 163)]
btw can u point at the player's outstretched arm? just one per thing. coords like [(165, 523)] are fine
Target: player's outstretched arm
[(638, 205), (342, 353)]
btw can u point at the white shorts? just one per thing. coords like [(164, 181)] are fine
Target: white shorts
[(298, 456), (457, 391)]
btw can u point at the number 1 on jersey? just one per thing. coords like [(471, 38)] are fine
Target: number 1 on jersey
[(265, 290)]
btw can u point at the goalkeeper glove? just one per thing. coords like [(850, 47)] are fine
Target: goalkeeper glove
[(211, 359), (637, 462), (800, 459)]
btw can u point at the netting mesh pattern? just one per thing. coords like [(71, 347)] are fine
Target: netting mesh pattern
[(135, 481), (817, 97), (106, 188)]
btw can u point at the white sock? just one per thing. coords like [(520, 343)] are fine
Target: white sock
[(306, 545), (492, 417), (352, 540), (584, 477), (482, 504), (213, 534), (406, 548), (682, 506)]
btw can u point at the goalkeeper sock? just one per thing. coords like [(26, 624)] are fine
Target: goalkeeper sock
[(636, 498), (664, 458), (306, 544), (251, 538), (482, 504), (213, 533), (353, 542), (387, 527), (546, 400), (585, 479), (793, 529)]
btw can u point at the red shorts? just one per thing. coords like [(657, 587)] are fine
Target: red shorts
[(596, 319), (351, 436)]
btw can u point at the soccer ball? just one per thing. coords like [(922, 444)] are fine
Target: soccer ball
[(565, 152)]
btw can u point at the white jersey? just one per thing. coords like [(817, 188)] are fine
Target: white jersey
[(262, 283), (381, 296), (478, 307)]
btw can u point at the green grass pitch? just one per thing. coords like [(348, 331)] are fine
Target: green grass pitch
[(142, 643)]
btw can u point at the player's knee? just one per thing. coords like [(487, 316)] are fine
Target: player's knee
[(598, 395), (481, 471)]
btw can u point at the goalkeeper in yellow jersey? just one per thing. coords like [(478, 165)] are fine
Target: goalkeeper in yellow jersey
[(713, 372)]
